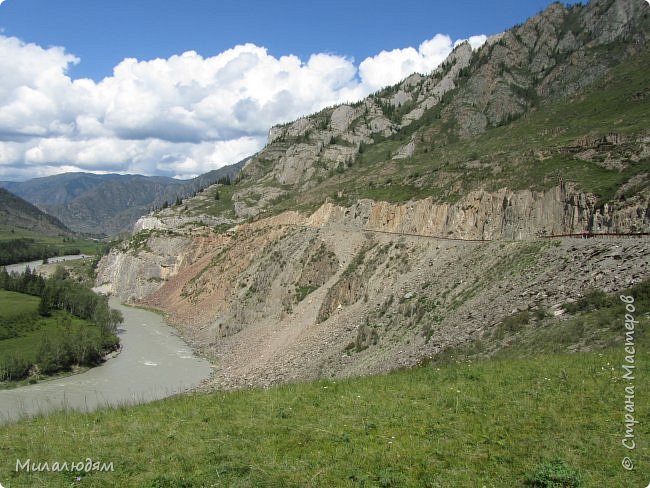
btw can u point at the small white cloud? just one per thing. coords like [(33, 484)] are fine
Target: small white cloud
[(474, 41), (389, 67)]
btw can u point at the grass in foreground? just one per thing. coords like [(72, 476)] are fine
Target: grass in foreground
[(494, 423)]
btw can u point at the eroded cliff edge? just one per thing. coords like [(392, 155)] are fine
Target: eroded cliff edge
[(355, 290)]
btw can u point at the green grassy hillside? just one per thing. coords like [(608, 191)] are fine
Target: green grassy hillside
[(27, 234), (18, 245), (15, 211)]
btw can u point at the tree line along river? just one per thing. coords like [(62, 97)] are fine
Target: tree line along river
[(153, 363)]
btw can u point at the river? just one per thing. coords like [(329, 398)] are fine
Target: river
[(154, 363)]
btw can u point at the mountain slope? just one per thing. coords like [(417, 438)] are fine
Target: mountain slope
[(373, 235), (108, 204), (434, 135), (16, 212)]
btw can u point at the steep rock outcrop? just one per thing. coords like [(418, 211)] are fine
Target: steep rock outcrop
[(313, 146), (552, 56), (504, 214), (132, 273), (137, 271)]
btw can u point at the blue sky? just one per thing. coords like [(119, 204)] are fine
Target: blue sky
[(102, 33), (179, 88)]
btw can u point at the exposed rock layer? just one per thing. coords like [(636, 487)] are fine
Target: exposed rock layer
[(344, 291)]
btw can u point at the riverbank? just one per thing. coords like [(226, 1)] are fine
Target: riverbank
[(49, 325), (154, 363), (34, 380), (34, 265)]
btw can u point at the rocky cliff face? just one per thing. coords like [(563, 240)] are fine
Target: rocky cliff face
[(552, 56), (299, 152), (138, 269), (505, 214), (295, 297)]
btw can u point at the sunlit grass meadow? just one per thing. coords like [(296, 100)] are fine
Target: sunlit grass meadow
[(498, 422)]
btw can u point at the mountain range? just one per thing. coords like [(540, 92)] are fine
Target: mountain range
[(16, 212), (106, 204)]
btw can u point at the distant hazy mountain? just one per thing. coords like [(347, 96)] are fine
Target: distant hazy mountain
[(16, 212), (108, 204)]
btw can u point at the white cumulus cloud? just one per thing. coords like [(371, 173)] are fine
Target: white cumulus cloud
[(474, 41), (179, 116), (389, 67)]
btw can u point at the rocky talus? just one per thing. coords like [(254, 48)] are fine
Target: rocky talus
[(369, 288)]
